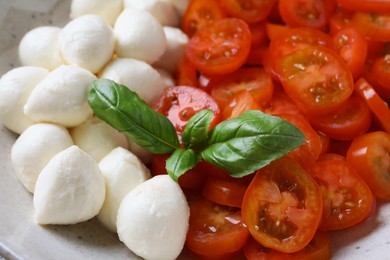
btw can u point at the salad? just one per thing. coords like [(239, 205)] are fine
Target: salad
[(249, 131)]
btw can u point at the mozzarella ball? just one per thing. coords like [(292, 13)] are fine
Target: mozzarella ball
[(97, 138), (69, 190), (40, 47), (34, 148), (162, 10), (180, 5), (139, 35), (153, 219), (87, 42), (108, 10), (166, 77), (137, 76), (122, 171), (61, 97), (176, 42), (15, 88)]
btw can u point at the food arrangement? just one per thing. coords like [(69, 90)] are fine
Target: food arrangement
[(216, 73)]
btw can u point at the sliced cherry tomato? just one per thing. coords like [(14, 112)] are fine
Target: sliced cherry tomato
[(275, 30), (378, 107), (347, 200), (282, 206), (352, 119), (311, 13), (186, 73), (339, 19), (348, 42), (253, 250), (255, 80), (379, 6), (248, 10), (325, 142), (316, 79), (281, 103), (318, 248), (240, 103), (381, 70), (373, 26), (201, 13), (258, 33), (215, 229), (180, 103), (369, 156), (220, 48)]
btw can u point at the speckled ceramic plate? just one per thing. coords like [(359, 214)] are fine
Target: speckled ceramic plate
[(21, 238)]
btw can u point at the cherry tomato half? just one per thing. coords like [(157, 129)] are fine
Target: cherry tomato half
[(373, 25), (248, 10), (366, 5)]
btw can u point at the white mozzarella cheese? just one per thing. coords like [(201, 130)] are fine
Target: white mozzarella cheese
[(108, 10), (15, 88), (153, 219), (88, 42), (70, 189), (137, 76), (61, 97), (40, 47), (122, 171), (34, 148), (139, 35)]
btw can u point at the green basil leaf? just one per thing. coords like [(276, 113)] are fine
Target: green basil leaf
[(196, 133), (251, 141), (124, 110), (181, 161)]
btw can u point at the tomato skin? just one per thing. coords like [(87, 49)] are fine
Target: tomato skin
[(374, 6), (369, 156), (373, 26), (278, 216), (381, 71), (240, 103), (255, 251), (250, 11), (318, 249), (215, 229), (186, 74), (220, 48), (346, 197)]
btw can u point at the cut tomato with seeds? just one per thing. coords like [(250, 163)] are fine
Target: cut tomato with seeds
[(248, 10), (375, 6), (282, 206), (220, 48), (373, 25), (240, 103)]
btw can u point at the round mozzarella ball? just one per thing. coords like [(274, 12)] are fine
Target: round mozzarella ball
[(137, 76), (122, 171), (139, 35), (153, 219), (40, 47), (97, 138), (108, 10), (162, 10), (180, 5), (166, 77), (34, 148), (15, 88), (61, 97), (176, 42), (88, 42), (70, 189)]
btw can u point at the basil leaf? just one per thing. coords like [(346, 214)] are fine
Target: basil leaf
[(181, 161), (196, 133), (247, 143), (124, 110)]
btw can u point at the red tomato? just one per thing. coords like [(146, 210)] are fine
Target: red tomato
[(186, 74), (282, 206), (325, 142), (215, 229), (381, 70), (220, 48), (318, 248), (248, 10), (255, 80), (348, 43), (369, 156), (379, 6), (339, 19), (373, 26), (275, 30), (352, 119), (240, 103), (316, 79), (311, 13), (347, 200), (201, 13), (378, 107), (258, 33), (256, 56), (255, 251), (180, 103), (281, 103)]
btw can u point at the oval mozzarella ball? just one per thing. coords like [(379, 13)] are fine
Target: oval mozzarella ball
[(69, 190), (137, 76), (88, 42), (97, 138), (122, 171), (162, 10), (34, 148), (139, 35), (108, 10), (153, 219), (176, 42), (40, 47), (15, 88), (61, 97)]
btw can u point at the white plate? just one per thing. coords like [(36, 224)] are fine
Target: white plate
[(21, 238)]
